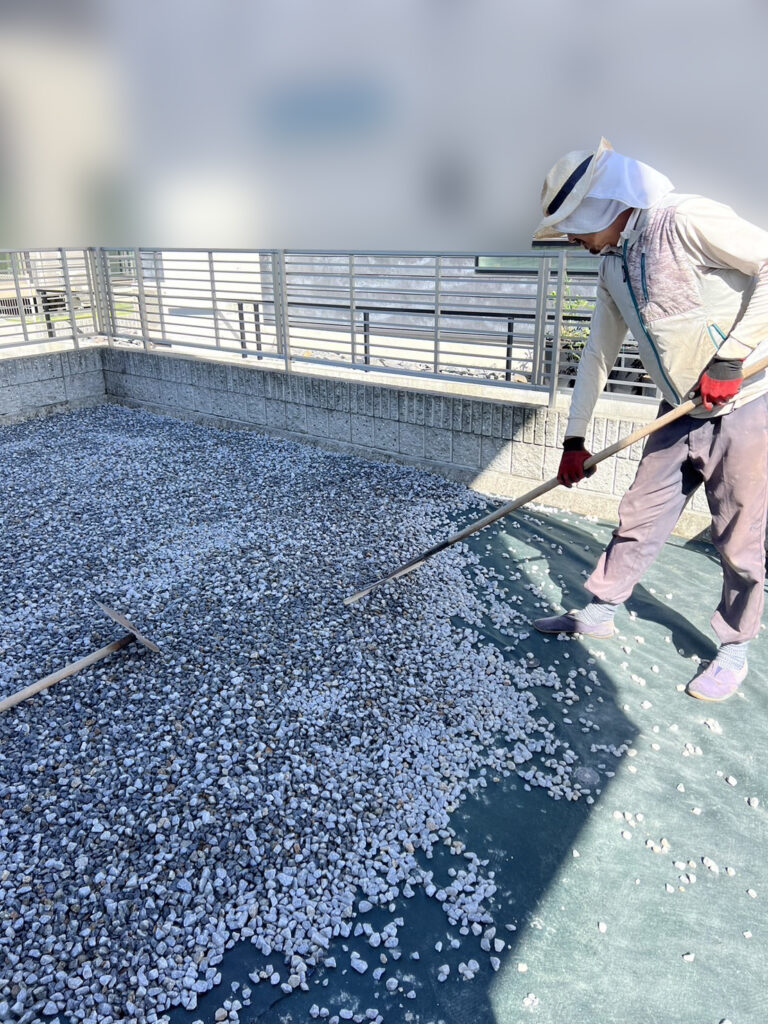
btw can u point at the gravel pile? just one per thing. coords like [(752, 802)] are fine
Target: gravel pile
[(285, 757)]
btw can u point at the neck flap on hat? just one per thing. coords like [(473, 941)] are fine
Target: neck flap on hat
[(630, 181)]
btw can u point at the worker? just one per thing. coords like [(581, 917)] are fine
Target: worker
[(689, 279)]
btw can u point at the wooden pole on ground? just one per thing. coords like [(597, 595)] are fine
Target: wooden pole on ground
[(89, 659)]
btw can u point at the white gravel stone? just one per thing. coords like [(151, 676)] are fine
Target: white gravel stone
[(173, 777)]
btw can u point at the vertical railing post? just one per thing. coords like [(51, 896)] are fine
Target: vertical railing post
[(212, 276), (142, 299), (104, 323), (109, 303), (279, 295), (256, 329), (92, 290), (98, 302), (366, 338), (436, 342), (559, 297), (352, 311), (540, 323), (159, 290), (19, 297), (509, 349), (241, 326), (70, 300)]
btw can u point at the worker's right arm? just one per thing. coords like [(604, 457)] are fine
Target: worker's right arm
[(606, 335), (607, 332)]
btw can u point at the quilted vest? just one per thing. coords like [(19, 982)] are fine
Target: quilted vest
[(681, 330)]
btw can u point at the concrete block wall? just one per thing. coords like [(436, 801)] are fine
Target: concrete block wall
[(41, 384), (503, 446)]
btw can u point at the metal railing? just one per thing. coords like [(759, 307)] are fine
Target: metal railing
[(515, 321), (46, 298)]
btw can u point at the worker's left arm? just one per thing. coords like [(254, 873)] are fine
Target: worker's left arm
[(715, 236)]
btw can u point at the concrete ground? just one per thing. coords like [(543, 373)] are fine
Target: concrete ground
[(644, 902)]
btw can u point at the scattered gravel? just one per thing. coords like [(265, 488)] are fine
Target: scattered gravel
[(285, 756)]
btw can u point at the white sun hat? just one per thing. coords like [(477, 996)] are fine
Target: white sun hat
[(565, 186), (586, 191)]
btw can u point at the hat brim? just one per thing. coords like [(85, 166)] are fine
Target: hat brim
[(547, 227)]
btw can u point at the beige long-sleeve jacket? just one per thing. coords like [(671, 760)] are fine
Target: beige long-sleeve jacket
[(689, 279)]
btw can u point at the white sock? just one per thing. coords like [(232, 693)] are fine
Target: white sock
[(733, 656), (597, 612)]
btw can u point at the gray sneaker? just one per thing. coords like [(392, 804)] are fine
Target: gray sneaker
[(571, 623), (716, 682)]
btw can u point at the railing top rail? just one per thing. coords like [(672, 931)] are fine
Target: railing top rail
[(407, 253)]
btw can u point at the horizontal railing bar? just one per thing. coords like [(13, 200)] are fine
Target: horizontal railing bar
[(479, 314)]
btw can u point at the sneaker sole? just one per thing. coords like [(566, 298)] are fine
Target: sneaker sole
[(709, 700)]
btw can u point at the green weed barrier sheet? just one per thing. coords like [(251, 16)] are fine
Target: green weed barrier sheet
[(647, 904)]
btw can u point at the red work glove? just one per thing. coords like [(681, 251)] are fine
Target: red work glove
[(571, 469), (720, 382)]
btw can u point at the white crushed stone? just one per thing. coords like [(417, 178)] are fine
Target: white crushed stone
[(285, 754)]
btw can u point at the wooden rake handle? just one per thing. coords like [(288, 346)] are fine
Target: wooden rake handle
[(62, 673), (548, 485)]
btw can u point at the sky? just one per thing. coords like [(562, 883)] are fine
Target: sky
[(416, 125)]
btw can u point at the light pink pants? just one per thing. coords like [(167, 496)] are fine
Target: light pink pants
[(729, 455)]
